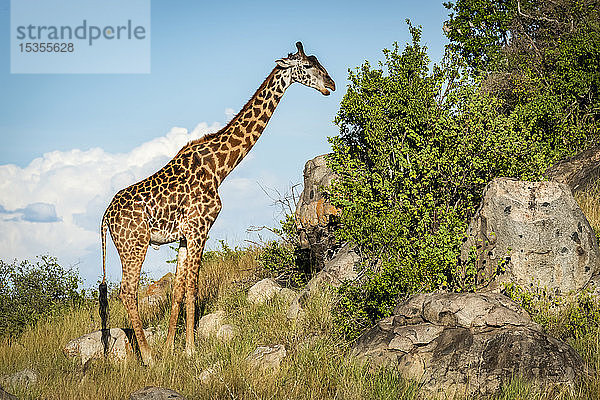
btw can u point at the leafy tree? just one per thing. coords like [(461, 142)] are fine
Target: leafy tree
[(541, 59), (30, 291), (416, 147), (478, 29)]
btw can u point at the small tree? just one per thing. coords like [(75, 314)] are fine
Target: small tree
[(30, 291)]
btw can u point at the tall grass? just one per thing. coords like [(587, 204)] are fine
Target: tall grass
[(318, 364)]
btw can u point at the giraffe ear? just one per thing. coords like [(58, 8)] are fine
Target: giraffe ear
[(283, 62)]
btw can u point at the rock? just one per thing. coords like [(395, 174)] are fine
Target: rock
[(157, 294), (467, 344), (316, 218), (162, 286), (340, 268), (267, 358), (226, 332), (23, 378), (540, 233), (6, 396), (155, 393), (207, 374), (263, 291), (119, 346), (210, 324), (287, 294), (577, 172)]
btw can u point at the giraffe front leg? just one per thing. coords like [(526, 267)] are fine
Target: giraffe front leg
[(195, 258), (178, 291), (204, 217)]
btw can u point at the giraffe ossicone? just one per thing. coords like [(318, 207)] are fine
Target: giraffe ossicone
[(180, 202)]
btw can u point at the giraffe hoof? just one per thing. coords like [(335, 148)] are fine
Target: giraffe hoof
[(148, 361), (189, 351)]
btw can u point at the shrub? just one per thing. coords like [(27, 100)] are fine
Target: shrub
[(284, 258), (30, 291), (416, 148)]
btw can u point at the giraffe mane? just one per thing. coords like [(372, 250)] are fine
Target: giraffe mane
[(213, 135)]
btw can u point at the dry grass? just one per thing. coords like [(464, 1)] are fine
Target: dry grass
[(589, 202), (318, 364)]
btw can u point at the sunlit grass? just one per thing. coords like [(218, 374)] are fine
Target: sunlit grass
[(318, 364)]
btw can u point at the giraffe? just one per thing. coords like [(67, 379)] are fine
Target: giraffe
[(180, 202)]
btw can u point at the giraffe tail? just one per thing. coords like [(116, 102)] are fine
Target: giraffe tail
[(103, 290)]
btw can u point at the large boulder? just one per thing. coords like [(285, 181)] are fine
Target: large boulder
[(316, 218), (118, 340), (536, 232), (342, 267), (579, 171), (467, 344), (214, 325)]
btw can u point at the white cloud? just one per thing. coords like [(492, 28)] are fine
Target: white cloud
[(54, 205), (229, 113)]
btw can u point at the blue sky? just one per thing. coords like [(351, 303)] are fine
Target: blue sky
[(63, 135)]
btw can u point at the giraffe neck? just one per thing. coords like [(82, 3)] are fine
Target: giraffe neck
[(231, 144)]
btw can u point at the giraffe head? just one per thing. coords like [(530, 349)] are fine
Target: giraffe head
[(306, 70)]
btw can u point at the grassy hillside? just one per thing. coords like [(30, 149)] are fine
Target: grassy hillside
[(318, 363)]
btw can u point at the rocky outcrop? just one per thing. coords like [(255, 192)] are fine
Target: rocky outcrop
[(316, 218), (210, 324), (119, 341), (467, 344), (536, 232), (155, 393), (340, 268), (577, 172)]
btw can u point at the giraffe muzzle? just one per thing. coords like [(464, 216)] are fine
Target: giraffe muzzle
[(329, 84)]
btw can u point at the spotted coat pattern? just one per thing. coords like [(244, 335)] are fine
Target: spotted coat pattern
[(180, 202)]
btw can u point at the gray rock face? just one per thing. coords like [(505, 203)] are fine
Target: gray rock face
[(214, 325), (467, 344), (155, 393), (316, 218), (210, 324), (577, 172), (119, 346), (539, 230), (340, 268)]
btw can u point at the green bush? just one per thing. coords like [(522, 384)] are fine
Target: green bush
[(30, 291), (284, 258), (416, 148)]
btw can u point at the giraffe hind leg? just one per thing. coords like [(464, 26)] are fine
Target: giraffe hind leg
[(132, 265)]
